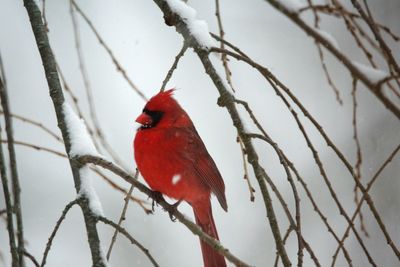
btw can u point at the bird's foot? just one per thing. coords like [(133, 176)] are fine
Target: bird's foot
[(173, 209), (156, 197)]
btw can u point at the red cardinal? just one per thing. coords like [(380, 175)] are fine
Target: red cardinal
[(174, 161)]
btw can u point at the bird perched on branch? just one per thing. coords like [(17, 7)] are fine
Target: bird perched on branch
[(174, 161)]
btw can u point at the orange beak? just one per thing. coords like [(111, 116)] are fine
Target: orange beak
[(144, 119)]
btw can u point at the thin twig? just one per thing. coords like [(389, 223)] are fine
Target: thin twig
[(274, 81), (122, 217), (173, 67), (9, 208), (295, 18), (375, 30), (140, 202), (299, 178), (54, 232), (358, 164), (121, 230), (110, 53), (117, 187), (16, 188), (245, 169), (44, 15), (364, 197), (37, 124), (31, 257), (37, 147), (224, 58)]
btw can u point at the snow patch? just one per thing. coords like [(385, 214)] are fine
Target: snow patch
[(81, 142), (328, 37), (176, 178), (198, 28), (374, 75), (88, 191), (104, 258)]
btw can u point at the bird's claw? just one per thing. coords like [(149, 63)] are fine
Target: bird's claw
[(156, 197), (173, 209)]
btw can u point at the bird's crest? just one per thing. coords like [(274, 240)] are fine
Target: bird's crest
[(161, 100)]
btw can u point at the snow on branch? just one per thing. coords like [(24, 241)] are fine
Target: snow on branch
[(198, 28), (89, 192), (328, 37), (373, 75), (81, 142)]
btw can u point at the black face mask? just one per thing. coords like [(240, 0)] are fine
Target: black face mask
[(155, 116)]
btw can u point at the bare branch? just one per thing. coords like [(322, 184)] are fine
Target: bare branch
[(375, 30), (9, 209), (54, 232), (122, 217), (357, 166), (31, 257), (16, 188), (37, 124), (266, 138), (121, 230), (173, 67), (295, 18), (245, 169), (57, 97), (110, 53), (224, 58), (364, 197)]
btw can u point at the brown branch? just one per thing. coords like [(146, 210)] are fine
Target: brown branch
[(173, 67), (109, 51), (37, 124), (140, 202), (122, 217), (285, 238), (117, 187), (273, 81), (121, 230), (224, 58), (36, 147), (16, 188), (88, 89), (322, 59), (295, 18), (31, 257), (9, 208), (245, 169), (357, 166), (57, 97), (375, 30), (363, 198), (54, 232), (300, 179), (215, 244)]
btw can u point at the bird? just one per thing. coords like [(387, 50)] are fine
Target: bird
[(173, 160)]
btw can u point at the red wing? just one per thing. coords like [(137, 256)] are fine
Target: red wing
[(202, 163)]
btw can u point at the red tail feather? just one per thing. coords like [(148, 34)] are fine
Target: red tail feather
[(205, 220)]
